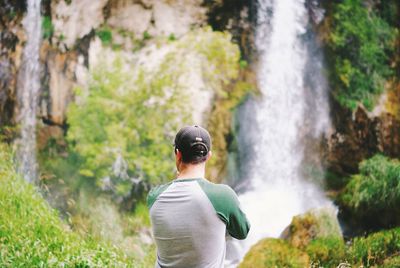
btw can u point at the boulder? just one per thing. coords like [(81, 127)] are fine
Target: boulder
[(271, 252), (316, 223)]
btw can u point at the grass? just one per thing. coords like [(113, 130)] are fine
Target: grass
[(32, 235)]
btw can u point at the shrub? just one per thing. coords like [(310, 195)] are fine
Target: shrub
[(272, 252), (362, 44), (373, 196), (32, 235)]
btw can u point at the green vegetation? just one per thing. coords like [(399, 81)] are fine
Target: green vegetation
[(272, 252), (375, 192), (362, 45), (326, 251), (105, 35), (47, 27), (32, 235), (375, 248), (123, 127)]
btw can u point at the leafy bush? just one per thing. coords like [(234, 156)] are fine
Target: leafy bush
[(326, 251), (47, 27), (123, 127), (375, 248), (272, 252), (362, 44), (374, 193), (32, 235)]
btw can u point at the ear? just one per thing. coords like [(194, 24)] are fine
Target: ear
[(178, 154), (209, 155)]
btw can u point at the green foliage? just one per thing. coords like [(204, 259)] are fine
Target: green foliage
[(47, 27), (327, 251), (32, 235), (375, 192), (105, 35), (130, 115), (362, 44), (272, 252), (375, 248)]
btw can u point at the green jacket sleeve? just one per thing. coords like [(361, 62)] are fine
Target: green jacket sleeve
[(226, 204)]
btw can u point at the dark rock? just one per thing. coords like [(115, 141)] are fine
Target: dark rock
[(237, 17), (360, 135)]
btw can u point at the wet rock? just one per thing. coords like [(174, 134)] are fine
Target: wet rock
[(60, 80), (317, 223), (237, 17), (11, 37), (360, 135)]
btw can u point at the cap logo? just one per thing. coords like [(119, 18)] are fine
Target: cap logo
[(199, 139)]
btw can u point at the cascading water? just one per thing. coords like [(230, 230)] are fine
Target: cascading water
[(280, 132), (28, 86)]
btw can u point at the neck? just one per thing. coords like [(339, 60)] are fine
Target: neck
[(191, 171)]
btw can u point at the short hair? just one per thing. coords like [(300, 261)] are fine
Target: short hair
[(195, 156)]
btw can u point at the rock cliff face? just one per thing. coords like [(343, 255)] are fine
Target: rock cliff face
[(360, 135), (72, 25), (12, 38)]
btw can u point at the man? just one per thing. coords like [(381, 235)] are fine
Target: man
[(190, 215)]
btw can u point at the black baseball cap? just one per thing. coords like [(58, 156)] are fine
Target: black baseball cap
[(189, 136)]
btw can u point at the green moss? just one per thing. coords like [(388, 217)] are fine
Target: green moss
[(105, 35), (318, 223), (32, 235), (274, 253), (326, 251), (47, 27)]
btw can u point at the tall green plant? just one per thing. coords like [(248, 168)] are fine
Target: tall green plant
[(362, 44)]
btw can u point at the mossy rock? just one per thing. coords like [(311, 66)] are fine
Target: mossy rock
[(272, 252), (316, 223), (327, 251)]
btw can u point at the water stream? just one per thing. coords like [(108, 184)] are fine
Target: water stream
[(280, 130), (28, 86)]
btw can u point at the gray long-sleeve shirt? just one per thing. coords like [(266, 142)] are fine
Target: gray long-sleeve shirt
[(190, 218)]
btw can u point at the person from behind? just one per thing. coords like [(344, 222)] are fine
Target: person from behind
[(190, 216)]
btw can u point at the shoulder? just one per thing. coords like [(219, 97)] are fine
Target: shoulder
[(155, 192), (222, 197)]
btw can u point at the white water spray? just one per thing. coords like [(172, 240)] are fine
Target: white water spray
[(28, 86), (278, 166)]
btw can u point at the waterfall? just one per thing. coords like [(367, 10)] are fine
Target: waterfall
[(28, 86), (280, 131)]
